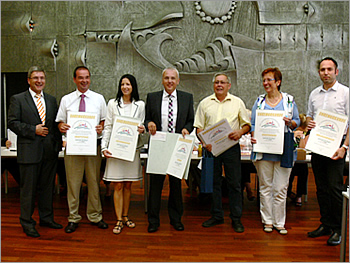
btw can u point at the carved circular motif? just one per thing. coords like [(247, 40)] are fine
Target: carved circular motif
[(215, 12)]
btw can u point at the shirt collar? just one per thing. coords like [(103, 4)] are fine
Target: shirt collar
[(334, 87), (213, 97), (166, 94), (32, 93), (86, 93)]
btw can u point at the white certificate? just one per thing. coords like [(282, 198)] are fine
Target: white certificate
[(82, 135), (326, 137), (123, 140), (269, 131), (12, 137), (160, 150), (217, 136), (181, 156)]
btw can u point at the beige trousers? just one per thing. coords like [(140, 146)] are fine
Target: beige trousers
[(75, 167), (273, 185)]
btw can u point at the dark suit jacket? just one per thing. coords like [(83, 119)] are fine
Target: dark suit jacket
[(185, 112), (23, 117)]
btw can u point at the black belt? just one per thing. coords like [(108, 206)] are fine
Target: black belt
[(99, 141)]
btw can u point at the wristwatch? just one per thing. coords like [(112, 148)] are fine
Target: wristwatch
[(345, 146)]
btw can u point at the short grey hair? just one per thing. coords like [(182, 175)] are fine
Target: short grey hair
[(170, 68), (220, 73), (33, 69)]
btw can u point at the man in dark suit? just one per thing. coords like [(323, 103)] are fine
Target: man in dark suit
[(158, 107), (32, 116)]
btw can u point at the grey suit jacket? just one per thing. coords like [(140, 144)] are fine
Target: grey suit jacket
[(185, 112), (23, 117)]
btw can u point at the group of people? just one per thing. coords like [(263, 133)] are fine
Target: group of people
[(39, 124)]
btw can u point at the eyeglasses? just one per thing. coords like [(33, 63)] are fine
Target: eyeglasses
[(220, 82), (37, 78), (269, 80)]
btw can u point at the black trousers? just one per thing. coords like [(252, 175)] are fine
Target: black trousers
[(302, 171), (231, 160), (175, 205), (37, 179), (329, 186)]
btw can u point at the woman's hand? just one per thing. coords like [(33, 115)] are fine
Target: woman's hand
[(253, 140)]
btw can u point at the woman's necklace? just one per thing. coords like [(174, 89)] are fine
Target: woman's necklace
[(274, 104)]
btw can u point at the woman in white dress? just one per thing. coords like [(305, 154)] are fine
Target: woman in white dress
[(122, 173)]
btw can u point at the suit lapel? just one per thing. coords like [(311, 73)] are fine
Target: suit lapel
[(134, 108), (48, 107), (32, 105), (159, 106)]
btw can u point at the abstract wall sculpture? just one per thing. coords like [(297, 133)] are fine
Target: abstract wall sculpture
[(199, 38)]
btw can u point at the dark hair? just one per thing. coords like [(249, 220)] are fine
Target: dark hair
[(134, 93), (80, 67), (276, 74), (328, 58)]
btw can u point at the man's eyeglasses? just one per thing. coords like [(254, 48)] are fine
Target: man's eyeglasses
[(269, 80), (37, 78), (220, 82)]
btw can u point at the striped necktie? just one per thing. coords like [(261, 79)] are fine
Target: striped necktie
[(170, 114), (40, 108)]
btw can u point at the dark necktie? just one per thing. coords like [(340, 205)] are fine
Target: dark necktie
[(170, 114), (82, 103)]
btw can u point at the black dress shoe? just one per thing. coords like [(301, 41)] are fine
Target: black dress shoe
[(334, 240), (212, 222), (102, 224), (237, 226), (152, 228), (52, 224), (178, 226), (320, 231), (71, 227), (31, 232)]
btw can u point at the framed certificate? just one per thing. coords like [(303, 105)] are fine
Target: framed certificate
[(124, 136), (217, 136), (269, 131), (181, 156), (160, 152), (82, 136), (326, 137)]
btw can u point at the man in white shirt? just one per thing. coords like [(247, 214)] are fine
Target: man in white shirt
[(328, 172), (83, 99)]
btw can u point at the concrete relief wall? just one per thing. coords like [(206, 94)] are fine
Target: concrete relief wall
[(199, 38)]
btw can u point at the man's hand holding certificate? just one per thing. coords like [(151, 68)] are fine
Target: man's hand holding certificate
[(82, 136), (325, 138), (218, 136)]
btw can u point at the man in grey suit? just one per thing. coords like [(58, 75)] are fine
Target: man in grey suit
[(181, 121), (32, 117)]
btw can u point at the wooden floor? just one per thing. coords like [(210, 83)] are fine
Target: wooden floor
[(215, 244)]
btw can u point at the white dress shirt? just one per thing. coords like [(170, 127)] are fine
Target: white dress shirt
[(165, 110)]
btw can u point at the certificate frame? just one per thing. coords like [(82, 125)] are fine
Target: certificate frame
[(326, 137), (217, 136), (269, 131), (124, 137), (181, 156), (82, 135), (160, 150)]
